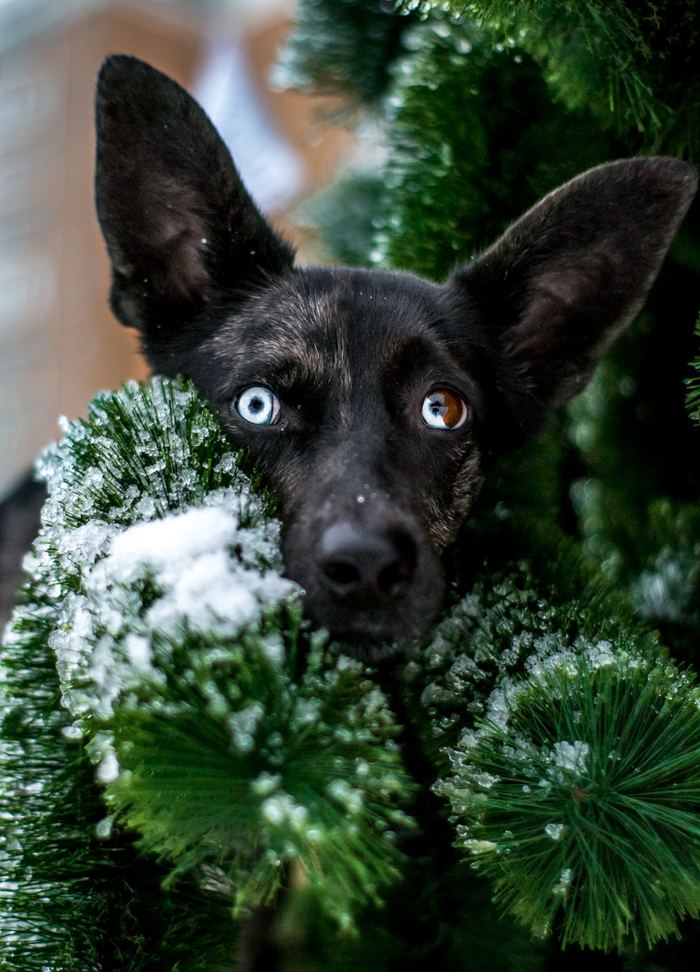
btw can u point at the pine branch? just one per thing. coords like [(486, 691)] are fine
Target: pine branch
[(573, 749), (345, 48), (631, 64), (692, 399), (156, 582), (69, 897)]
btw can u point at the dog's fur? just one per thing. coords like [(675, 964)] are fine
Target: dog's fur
[(370, 494)]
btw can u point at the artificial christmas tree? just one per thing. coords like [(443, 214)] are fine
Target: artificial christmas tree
[(240, 752), (189, 765)]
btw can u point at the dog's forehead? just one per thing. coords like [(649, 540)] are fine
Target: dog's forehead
[(351, 294), (321, 315)]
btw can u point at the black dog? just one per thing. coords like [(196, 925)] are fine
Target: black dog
[(373, 401)]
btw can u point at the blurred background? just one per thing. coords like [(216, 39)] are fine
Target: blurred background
[(59, 343)]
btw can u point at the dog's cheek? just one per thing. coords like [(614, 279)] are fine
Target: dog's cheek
[(280, 460), (448, 508)]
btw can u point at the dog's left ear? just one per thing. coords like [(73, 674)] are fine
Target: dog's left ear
[(564, 280), (181, 230)]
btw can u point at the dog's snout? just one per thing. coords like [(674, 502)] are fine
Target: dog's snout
[(366, 563), (373, 583)]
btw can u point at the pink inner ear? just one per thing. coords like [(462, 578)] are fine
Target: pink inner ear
[(194, 278), (569, 306), (566, 287), (179, 237), (181, 272), (550, 301), (571, 315)]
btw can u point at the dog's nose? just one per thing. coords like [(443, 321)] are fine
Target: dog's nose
[(365, 563)]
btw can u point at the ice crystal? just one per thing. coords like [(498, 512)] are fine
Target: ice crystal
[(561, 888), (554, 830), (571, 756)]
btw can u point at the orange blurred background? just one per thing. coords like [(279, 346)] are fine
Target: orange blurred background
[(59, 343)]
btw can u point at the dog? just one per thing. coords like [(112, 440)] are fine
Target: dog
[(374, 402)]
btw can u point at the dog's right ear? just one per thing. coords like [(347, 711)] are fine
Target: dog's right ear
[(181, 230)]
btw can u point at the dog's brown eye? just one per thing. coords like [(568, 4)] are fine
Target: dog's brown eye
[(444, 409)]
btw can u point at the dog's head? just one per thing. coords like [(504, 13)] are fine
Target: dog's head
[(372, 400)]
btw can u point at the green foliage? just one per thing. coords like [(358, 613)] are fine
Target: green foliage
[(633, 64), (693, 397), (346, 45), (347, 217), (636, 492), (541, 601), (233, 760), (38, 779), (311, 778), (597, 824), (474, 139), (138, 455), (72, 898), (573, 749), (630, 425)]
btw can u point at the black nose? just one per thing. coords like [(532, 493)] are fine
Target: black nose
[(364, 563)]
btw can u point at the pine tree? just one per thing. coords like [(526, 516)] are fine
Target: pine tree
[(526, 779)]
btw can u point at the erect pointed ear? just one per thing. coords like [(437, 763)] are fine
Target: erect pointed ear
[(180, 228), (564, 280)]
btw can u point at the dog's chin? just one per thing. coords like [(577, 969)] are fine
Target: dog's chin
[(370, 652), (376, 640), (372, 634)]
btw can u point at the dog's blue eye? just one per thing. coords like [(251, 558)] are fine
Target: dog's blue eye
[(444, 409), (259, 406)]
